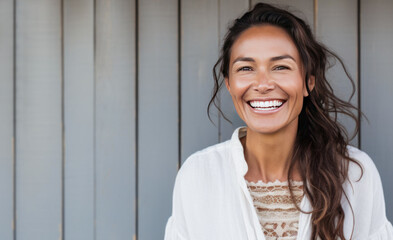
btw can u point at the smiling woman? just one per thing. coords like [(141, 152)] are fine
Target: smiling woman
[(290, 173)]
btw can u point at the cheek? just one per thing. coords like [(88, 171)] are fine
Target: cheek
[(293, 84), (298, 95), (294, 89), (239, 88)]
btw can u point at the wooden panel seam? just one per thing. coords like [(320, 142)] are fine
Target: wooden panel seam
[(359, 74), (62, 227), (14, 121)]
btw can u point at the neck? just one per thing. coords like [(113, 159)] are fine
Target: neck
[(269, 155)]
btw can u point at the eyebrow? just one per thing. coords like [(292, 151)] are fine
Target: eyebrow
[(282, 57), (273, 59)]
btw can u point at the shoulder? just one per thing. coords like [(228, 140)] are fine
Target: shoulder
[(365, 194), (363, 175), (192, 187), (210, 159), (364, 171), (205, 170), (202, 176)]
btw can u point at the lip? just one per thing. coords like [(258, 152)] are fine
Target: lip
[(266, 99), (266, 111)]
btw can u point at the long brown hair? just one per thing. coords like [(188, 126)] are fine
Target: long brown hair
[(321, 143)]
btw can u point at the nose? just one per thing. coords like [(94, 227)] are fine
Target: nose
[(263, 83)]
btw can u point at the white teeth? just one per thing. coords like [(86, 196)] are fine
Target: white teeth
[(266, 105)]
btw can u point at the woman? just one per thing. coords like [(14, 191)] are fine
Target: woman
[(290, 174)]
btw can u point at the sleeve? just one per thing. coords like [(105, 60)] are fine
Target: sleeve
[(176, 228), (171, 231), (380, 228), (384, 233), (371, 222)]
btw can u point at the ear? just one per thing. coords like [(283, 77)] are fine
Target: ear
[(227, 84), (311, 85)]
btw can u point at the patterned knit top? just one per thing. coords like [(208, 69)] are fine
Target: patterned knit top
[(277, 214)]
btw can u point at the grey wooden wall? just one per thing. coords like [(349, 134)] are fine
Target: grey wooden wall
[(101, 101)]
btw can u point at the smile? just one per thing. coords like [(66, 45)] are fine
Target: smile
[(266, 105)]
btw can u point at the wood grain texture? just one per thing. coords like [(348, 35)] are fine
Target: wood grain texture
[(376, 89), (158, 114), (79, 119), (38, 120), (337, 29), (199, 52), (115, 119), (6, 118)]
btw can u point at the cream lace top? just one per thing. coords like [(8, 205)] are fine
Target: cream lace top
[(276, 211)]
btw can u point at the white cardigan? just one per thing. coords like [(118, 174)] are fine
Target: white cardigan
[(211, 200)]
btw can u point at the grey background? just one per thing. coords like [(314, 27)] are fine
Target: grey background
[(101, 101)]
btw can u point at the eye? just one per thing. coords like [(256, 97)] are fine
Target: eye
[(281, 67), (245, 68)]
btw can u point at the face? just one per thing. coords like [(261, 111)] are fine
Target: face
[(266, 79)]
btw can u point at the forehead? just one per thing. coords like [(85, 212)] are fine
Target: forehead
[(264, 42)]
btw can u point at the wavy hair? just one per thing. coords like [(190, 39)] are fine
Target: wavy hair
[(321, 143)]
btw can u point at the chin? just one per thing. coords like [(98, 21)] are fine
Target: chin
[(265, 129)]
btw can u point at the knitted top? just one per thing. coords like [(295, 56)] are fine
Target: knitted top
[(277, 214)]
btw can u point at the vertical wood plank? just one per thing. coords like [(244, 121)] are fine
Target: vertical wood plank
[(6, 119), (158, 114), (199, 52), (38, 120), (229, 11), (115, 119), (337, 29), (79, 119), (376, 89)]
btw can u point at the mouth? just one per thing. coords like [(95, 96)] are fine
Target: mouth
[(266, 105)]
